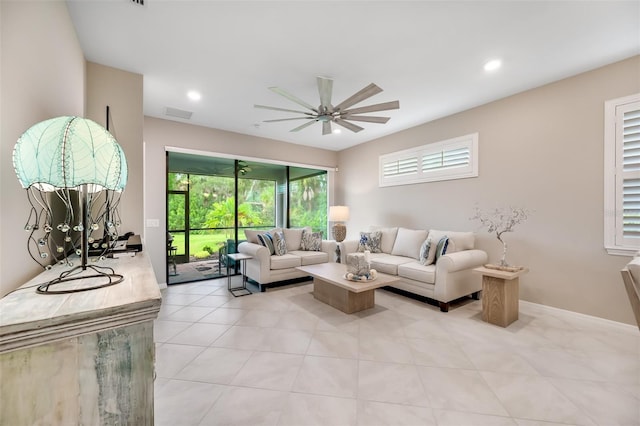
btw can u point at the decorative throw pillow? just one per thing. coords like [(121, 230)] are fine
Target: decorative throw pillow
[(441, 248), (267, 240), (311, 241), (370, 241), (424, 252), (279, 243)]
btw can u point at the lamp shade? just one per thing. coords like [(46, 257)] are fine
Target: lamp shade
[(66, 152), (338, 213)]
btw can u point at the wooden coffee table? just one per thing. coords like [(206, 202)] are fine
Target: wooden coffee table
[(330, 287)]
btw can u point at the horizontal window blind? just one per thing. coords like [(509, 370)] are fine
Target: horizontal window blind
[(451, 159)]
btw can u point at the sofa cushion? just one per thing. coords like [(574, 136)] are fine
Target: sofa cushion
[(418, 272), (388, 264), (311, 241), (408, 242), (293, 237), (279, 243), (311, 257), (388, 237), (252, 235), (285, 261), (370, 241), (458, 241), (266, 240)]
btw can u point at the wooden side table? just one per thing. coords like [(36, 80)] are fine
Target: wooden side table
[(500, 295)]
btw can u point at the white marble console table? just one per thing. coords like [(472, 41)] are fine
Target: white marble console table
[(80, 358)]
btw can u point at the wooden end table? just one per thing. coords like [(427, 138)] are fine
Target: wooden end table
[(500, 295)]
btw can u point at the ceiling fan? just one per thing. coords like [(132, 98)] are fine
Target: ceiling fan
[(326, 113)]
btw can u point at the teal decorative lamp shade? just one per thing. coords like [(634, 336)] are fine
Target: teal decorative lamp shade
[(74, 172), (67, 152)]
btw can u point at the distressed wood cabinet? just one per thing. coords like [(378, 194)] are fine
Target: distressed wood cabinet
[(80, 358)]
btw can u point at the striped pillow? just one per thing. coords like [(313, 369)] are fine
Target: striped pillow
[(266, 240), (424, 252)]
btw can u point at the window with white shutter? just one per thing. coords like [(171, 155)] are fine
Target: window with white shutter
[(451, 159), (622, 175)]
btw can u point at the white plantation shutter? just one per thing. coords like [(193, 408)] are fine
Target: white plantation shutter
[(628, 136), (451, 159), (403, 167), (622, 175)]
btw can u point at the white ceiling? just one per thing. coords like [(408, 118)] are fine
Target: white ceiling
[(429, 55)]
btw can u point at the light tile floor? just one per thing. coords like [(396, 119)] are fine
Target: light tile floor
[(283, 358)]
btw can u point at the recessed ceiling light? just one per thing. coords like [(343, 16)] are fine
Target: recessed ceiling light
[(193, 95), (493, 65), (336, 131)]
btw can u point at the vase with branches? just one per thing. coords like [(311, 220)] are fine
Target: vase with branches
[(499, 221)]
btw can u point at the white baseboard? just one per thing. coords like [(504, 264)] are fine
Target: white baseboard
[(584, 317), (162, 286)]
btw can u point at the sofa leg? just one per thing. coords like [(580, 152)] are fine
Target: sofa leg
[(444, 306), (476, 295), (262, 288)]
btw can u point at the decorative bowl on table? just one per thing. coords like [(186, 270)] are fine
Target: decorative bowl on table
[(370, 276)]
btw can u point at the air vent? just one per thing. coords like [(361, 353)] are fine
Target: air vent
[(139, 2), (178, 113)]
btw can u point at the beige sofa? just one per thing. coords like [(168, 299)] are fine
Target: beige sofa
[(447, 279), (265, 268)]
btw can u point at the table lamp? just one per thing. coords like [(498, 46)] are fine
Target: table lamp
[(338, 214), (58, 161)]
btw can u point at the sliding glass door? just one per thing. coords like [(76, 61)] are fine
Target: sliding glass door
[(211, 201)]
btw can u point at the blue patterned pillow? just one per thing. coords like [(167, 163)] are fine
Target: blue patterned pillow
[(311, 241), (267, 241), (370, 241), (441, 248), (279, 244)]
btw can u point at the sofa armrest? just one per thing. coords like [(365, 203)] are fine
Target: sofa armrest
[(329, 247), (259, 252), (461, 260), (347, 247)]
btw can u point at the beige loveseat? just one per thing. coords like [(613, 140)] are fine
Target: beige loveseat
[(265, 268), (448, 278)]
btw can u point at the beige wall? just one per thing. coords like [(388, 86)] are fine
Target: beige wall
[(42, 76), (159, 134), (541, 149), (122, 91)]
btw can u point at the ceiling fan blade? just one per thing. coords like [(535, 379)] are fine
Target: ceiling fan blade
[(325, 87), (292, 98), (281, 109), (360, 96), (326, 127), (305, 125), (385, 106), (366, 118), (347, 125), (288, 119)]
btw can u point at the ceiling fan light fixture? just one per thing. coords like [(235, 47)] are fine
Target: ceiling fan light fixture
[(336, 131), (326, 113)]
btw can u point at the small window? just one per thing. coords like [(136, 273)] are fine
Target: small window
[(451, 159), (622, 175)]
